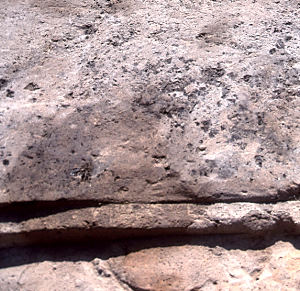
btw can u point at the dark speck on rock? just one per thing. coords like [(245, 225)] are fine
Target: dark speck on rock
[(32, 87), (280, 44), (258, 160), (205, 125), (10, 93), (247, 78), (3, 83), (5, 162)]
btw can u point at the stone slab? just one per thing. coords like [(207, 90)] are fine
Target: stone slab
[(149, 101), (115, 221)]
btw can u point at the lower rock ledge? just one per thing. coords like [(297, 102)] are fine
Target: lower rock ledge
[(176, 263), (113, 221)]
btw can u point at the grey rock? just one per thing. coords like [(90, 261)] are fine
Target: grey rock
[(147, 91), (160, 136)]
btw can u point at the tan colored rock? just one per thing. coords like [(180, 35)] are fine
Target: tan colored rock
[(149, 101), (134, 119), (115, 221), (162, 264), (203, 268)]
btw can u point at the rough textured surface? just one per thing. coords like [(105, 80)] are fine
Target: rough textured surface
[(124, 119), (133, 220), (164, 264), (149, 100)]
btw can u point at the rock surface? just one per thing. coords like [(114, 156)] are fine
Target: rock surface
[(164, 264), (135, 220), (124, 119), (149, 100)]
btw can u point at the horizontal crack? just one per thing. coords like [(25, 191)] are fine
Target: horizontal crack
[(88, 251), (114, 221), (19, 211)]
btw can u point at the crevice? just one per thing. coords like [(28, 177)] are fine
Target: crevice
[(46, 237), (97, 233), (20, 211), (91, 249), (24, 210), (126, 283)]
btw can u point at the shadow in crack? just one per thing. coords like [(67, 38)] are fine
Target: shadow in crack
[(91, 249), (21, 211)]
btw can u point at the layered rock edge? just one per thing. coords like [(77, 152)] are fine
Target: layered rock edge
[(114, 221), (150, 118)]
